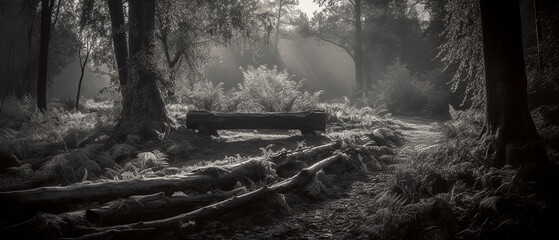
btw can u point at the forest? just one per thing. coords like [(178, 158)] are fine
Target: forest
[(279, 119)]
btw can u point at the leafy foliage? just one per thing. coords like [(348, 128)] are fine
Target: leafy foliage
[(449, 178), (462, 49), (36, 134), (335, 25), (402, 93), (205, 96), (187, 30), (75, 166), (270, 90), (69, 103), (19, 43), (358, 112), (541, 64), (146, 164), (262, 89), (282, 9)]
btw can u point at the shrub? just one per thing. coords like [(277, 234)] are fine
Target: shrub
[(543, 87), (233, 99), (33, 135), (75, 166), (271, 90), (16, 111), (356, 112), (205, 96), (438, 93), (401, 92), (68, 103), (262, 90), (93, 105)]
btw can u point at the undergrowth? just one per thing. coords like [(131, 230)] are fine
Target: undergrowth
[(70, 148), (262, 90), (451, 178), (29, 133), (401, 93)]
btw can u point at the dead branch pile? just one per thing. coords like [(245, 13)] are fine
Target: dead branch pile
[(143, 207), (59, 199)]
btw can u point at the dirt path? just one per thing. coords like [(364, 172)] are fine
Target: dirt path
[(343, 216), (419, 134)]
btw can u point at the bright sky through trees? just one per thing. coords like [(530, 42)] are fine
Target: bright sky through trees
[(309, 7)]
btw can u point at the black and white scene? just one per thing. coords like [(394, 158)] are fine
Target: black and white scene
[(279, 119)]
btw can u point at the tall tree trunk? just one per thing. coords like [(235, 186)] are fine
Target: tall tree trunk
[(31, 55), (539, 36), (367, 71), (46, 12), (276, 52), (143, 111), (507, 116), (358, 48), (116, 11), (135, 27), (403, 25), (82, 68), (4, 99)]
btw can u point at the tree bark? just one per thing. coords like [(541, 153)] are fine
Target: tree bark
[(368, 70), (403, 25), (539, 37), (276, 52), (143, 111), (358, 48), (134, 29), (508, 121), (208, 123), (3, 99), (59, 199), (116, 12), (46, 12), (306, 153), (31, 58), (296, 181), (153, 207), (82, 68)]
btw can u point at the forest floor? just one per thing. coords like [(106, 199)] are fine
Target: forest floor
[(400, 178), (340, 215), (63, 148)]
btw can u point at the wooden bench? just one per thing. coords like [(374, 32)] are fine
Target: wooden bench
[(207, 123)]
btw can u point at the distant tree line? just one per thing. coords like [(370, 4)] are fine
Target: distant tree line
[(501, 54)]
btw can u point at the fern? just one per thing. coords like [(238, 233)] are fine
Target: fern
[(493, 203), (390, 201), (270, 90), (267, 152), (205, 96), (316, 188)]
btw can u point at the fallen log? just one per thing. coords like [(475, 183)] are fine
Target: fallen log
[(306, 153), (298, 180), (290, 163), (63, 198), (152, 207), (207, 123)]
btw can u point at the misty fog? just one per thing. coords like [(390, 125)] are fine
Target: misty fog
[(323, 66)]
